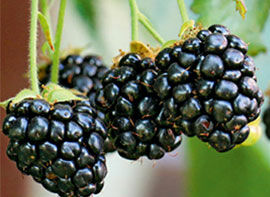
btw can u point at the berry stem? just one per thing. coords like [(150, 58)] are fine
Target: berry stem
[(147, 24), (58, 36), (33, 47), (183, 10), (137, 16), (134, 20)]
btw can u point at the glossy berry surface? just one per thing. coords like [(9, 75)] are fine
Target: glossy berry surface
[(83, 74), (139, 123), (80, 73), (209, 88), (226, 89), (206, 86), (180, 107), (61, 146), (175, 85)]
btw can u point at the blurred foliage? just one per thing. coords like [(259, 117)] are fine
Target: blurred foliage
[(223, 12), (242, 172), (87, 11)]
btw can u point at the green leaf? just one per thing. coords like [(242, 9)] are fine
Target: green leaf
[(5, 103), (55, 93), (223, 12), (23, 94), (46, 50), (242, 172), (46, 29)]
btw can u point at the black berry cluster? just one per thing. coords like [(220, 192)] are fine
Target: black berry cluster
[(266, 121), (60, 145), (134, 111), (175, 86), (83, 74), (205, 86), (222, 95), (227, 88)]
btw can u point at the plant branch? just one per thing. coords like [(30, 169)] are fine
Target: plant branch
[(134, 20), (148, 25), (58, 36), (137, 16), (183, 10), (33, 47)]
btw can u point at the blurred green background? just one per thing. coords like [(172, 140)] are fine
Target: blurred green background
[(103, 27)]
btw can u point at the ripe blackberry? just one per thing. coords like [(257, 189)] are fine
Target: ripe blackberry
[(139, 123), (83, 74), (175, 86), (266, 121), (59, 145), (225, 88), (207, 87)]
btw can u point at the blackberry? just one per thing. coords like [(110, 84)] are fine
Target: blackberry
[(204, 87), (225, 87), (266, 121), (61, 145), (139, 121), (83, 74), (175, 86)]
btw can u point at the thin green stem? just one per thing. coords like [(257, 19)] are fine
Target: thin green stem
[(45, 10), (58, 36), (134, 20), (33, 46), (148, 25), (183, 10)]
